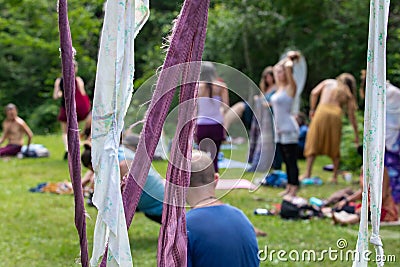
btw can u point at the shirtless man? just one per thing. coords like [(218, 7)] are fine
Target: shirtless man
[(14, 129), (324, 134)]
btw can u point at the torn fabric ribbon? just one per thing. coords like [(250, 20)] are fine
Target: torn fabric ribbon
[(187, 45), (113, 91), (374, 133)]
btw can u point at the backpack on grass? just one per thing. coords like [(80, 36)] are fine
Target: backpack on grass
[(276, 178), (35, 151), (290, 210)]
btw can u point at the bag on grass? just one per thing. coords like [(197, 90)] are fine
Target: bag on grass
[(35, 151), (300, 211), (275, 179)]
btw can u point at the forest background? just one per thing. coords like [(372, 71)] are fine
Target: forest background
[(245, 34)]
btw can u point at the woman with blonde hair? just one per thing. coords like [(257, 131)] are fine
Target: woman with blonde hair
[(286, 127)]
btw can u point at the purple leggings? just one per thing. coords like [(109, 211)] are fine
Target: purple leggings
[(10, 150), (215, 132)]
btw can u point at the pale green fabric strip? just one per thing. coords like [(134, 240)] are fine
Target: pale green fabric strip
[(113, 92), (374, 133)]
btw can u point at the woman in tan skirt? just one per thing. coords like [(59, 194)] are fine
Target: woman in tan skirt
[(324, 134)]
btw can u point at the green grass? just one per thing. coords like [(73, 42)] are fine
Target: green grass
[(38, 229)]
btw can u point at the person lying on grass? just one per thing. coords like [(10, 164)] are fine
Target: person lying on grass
[(347, 211), (151, 200)]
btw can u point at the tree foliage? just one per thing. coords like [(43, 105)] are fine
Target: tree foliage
[(29, 52), (245, 34), (332, 35)]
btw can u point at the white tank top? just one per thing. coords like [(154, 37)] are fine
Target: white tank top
[(282, 105), (208, 110)]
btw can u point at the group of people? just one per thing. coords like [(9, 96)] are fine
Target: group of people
[(236, 237), (294, 139), (279, 89), (15, 128)]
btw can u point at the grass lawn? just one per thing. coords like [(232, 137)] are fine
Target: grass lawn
[(38, 229)]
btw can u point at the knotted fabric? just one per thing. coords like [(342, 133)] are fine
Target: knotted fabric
[(74, 163), (374, 132)]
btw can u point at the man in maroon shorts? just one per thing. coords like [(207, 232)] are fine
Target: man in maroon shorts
[(14, 129)]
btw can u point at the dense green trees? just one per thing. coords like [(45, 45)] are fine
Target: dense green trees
[(246, 34), (29, 54), (331, 34)]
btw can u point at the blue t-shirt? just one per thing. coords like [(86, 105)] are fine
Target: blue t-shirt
[(220, 236), (302, 136), (151, 200)]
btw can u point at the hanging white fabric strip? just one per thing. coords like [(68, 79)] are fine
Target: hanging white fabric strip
[(374, 133), (113, 92)]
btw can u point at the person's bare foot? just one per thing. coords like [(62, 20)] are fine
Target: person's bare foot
[(345, 218), (302, 177), (327, 212), (333, 180), (284, 193), (293, 190)]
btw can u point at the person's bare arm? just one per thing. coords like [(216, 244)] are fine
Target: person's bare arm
[(314, 96), (224, 96), (362, 84), (351, 112), (386, 192), (287, 62), (354, 197), (88, 178), (28, 132), (5, 133), (81, 85), (124, 167), (289, 75), (57, 93)]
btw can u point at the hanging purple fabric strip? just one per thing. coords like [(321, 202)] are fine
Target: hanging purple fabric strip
[(187, 45), (72, 126), (181, 50), (172, 242)]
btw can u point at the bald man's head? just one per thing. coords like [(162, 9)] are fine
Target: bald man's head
[(203, 171)]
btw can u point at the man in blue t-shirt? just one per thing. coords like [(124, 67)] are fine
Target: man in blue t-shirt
[(151, 199), (218, 234)]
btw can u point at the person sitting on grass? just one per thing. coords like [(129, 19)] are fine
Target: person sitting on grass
[(151, 200), (14, 129), (347, 211), (218, 234)]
